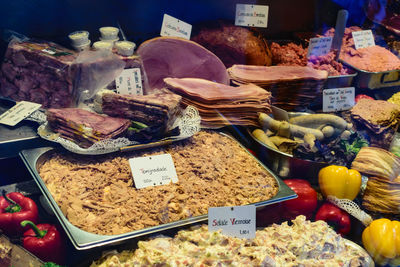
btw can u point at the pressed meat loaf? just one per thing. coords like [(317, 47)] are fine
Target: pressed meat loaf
[(97, 194)]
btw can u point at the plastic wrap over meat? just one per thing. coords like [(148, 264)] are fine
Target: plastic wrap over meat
[(95, 70), (39, 72), (54, 76)]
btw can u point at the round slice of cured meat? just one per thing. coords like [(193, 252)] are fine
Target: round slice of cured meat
[(179, 58)]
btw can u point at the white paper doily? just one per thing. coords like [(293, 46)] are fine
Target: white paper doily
[(351, 208), (188, 123)]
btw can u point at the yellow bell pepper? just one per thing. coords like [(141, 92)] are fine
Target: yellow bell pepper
[(382, 241), (339, 181)]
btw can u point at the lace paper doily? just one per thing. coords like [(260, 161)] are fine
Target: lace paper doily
[(38, 116), (351, 208), (188, 123)]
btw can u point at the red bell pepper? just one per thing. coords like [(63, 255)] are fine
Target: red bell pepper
[(361, 96), (44, 241), (335, 217), (306, 202), (15, 208)]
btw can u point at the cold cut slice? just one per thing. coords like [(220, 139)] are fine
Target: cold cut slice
[(158, 109), (85, 127), (179, 58), (220, 104), (292, 87)]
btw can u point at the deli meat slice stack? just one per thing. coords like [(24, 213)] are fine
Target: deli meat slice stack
[(85, 127), (292, 87), (221, 104), (158, 109)]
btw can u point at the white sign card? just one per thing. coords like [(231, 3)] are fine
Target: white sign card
[(18, 112), (175, 27), (363, 39), (251, 15), (239, 221), (337, 99), (153, 170), (129, 82), (319, 46)]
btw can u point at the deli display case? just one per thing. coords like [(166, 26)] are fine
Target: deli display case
[(199, 133)]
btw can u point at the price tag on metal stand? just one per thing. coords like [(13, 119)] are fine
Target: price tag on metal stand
[(175, 27), (319, 46), (363, 39), (239, 221), (18, 112), (337, 99), (153, 170), (251, 15), (129, 82)]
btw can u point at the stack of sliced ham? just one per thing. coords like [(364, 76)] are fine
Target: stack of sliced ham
[(158, 109), (84, 127), (221, 104), (292, 87)]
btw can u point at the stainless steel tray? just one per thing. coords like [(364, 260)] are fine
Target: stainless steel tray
[(340, 81), (82, 240), (375, 80), (284, 164)]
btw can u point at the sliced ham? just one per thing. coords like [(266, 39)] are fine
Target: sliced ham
[(264, 74), (179, 58), (292, 87), (158, 109), (85, 127), (220, 104)]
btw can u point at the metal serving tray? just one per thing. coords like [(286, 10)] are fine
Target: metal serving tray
[(82, 240), (340, 81), (284, 164), (375, 80)]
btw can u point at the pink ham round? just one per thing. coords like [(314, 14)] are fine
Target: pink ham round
[(179, 58)]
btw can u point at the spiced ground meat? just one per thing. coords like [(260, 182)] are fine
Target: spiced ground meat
[(97, 194)]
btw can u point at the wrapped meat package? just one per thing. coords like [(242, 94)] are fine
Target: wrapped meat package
[(56, 77), (40, 72)]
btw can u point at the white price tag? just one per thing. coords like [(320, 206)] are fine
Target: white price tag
[(153, 170), (337, 99), (175, 27), (363, 39), (251, 15), (239, 221), (319, 46), (129, 82), (18, 112)]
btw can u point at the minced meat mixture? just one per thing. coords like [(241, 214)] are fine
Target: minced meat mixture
[(97, 194), (303, 243)]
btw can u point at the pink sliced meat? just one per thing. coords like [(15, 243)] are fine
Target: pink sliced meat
[(220, 104), (84, 126), (266, 74), (210, 91), (179, 58)]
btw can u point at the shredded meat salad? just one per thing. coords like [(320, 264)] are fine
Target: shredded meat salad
[(303, 243), (97, 194)]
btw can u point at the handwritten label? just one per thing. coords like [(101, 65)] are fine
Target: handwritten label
[(363, 39), (337, 99), (251, 15), (239, 221), (153, 170), (175, 27), (129, 82), (18, 112), (319, 46)]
